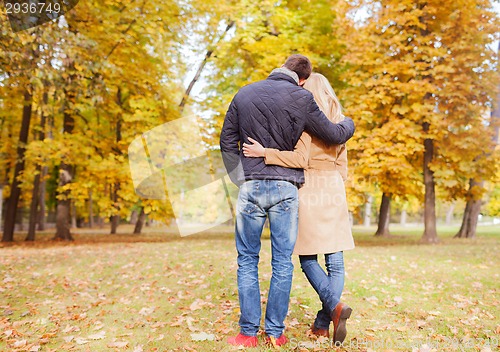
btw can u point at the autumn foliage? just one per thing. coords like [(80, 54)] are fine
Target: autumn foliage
[(418, 77)]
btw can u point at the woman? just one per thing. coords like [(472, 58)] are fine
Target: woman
[(324, 226)]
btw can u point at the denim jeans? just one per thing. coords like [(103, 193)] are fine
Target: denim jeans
[(328, 286), (257, 200)]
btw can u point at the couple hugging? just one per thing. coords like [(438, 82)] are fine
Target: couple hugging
[(283, 143)]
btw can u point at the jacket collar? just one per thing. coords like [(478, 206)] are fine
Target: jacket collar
[(284, 73)]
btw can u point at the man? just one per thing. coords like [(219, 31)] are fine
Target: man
[(274, 112)]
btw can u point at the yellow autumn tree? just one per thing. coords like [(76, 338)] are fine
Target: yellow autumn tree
[(420, 69)]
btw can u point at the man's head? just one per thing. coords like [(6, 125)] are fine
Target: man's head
[(300, 65)]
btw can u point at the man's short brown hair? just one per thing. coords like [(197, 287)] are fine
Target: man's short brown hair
[(300, 65)]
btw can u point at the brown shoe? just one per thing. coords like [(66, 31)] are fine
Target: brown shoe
[(339, 316), (320, 332)]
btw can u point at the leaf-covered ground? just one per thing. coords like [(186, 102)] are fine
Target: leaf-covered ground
[(161, 292)]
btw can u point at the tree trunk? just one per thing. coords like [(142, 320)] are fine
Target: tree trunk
[(34, 207), (45, 171), (384, 215), (140, 222), (35, 198), (63, 216), (133, 217), (62, 224), (15, 191), (41, 201), (471, 213), (368, 211), (430, 232), (7, 167), (91, 210), (115, 219), (1, 206), (473, 206)]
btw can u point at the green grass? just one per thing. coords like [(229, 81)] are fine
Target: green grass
[(155, 292)]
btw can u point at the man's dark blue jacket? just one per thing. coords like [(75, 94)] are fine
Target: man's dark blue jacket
[(274, 112)]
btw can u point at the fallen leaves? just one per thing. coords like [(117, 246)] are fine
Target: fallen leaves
[(164, 297), (202, 336), (118, 344), (99, 336), (197, 304), (146, 311), (11, 333), (19, 343), (372, 300), (434, 313)]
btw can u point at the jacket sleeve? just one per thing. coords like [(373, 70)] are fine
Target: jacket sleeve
[(319, 125), (230, 144), (298, 158)]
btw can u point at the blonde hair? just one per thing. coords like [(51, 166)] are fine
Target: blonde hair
[(325, 97)]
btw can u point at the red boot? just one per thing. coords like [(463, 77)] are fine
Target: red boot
[(276, 342), (243, 340), (320, 332)]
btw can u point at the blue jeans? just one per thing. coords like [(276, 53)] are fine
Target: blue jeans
[(328, 286), (277, 200)]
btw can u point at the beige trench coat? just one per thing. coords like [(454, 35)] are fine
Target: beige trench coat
[(324, 225)]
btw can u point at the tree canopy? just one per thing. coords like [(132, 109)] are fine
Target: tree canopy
[(418, 77)]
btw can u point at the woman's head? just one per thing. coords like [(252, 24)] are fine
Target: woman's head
[(325, 97)]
